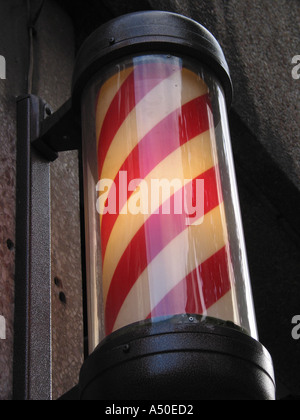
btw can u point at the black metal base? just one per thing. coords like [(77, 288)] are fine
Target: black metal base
[(180, 358)]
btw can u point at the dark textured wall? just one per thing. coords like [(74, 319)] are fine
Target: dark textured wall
[(13, 47), (260, 38), (55, 54), (53, 66)]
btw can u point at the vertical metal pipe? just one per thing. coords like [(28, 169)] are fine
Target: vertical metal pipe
[(32, 342)]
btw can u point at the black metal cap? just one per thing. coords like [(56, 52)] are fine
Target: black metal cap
[(186, 357), (144, 32)]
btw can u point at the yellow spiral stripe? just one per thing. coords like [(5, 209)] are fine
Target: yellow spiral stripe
[(107, 93)]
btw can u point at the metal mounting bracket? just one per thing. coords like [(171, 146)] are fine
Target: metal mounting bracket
[(40, 136), (59, 132)]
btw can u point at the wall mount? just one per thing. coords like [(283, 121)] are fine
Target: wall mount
[(41, 135)]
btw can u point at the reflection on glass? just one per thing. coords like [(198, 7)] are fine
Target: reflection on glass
[(156, 176)]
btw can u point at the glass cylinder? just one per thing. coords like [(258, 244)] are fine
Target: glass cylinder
[(164, 234)]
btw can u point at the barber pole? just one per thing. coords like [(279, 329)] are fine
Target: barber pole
[(157, 123), (169, 302)]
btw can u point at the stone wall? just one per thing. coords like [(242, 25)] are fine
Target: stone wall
[(53, 66)]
